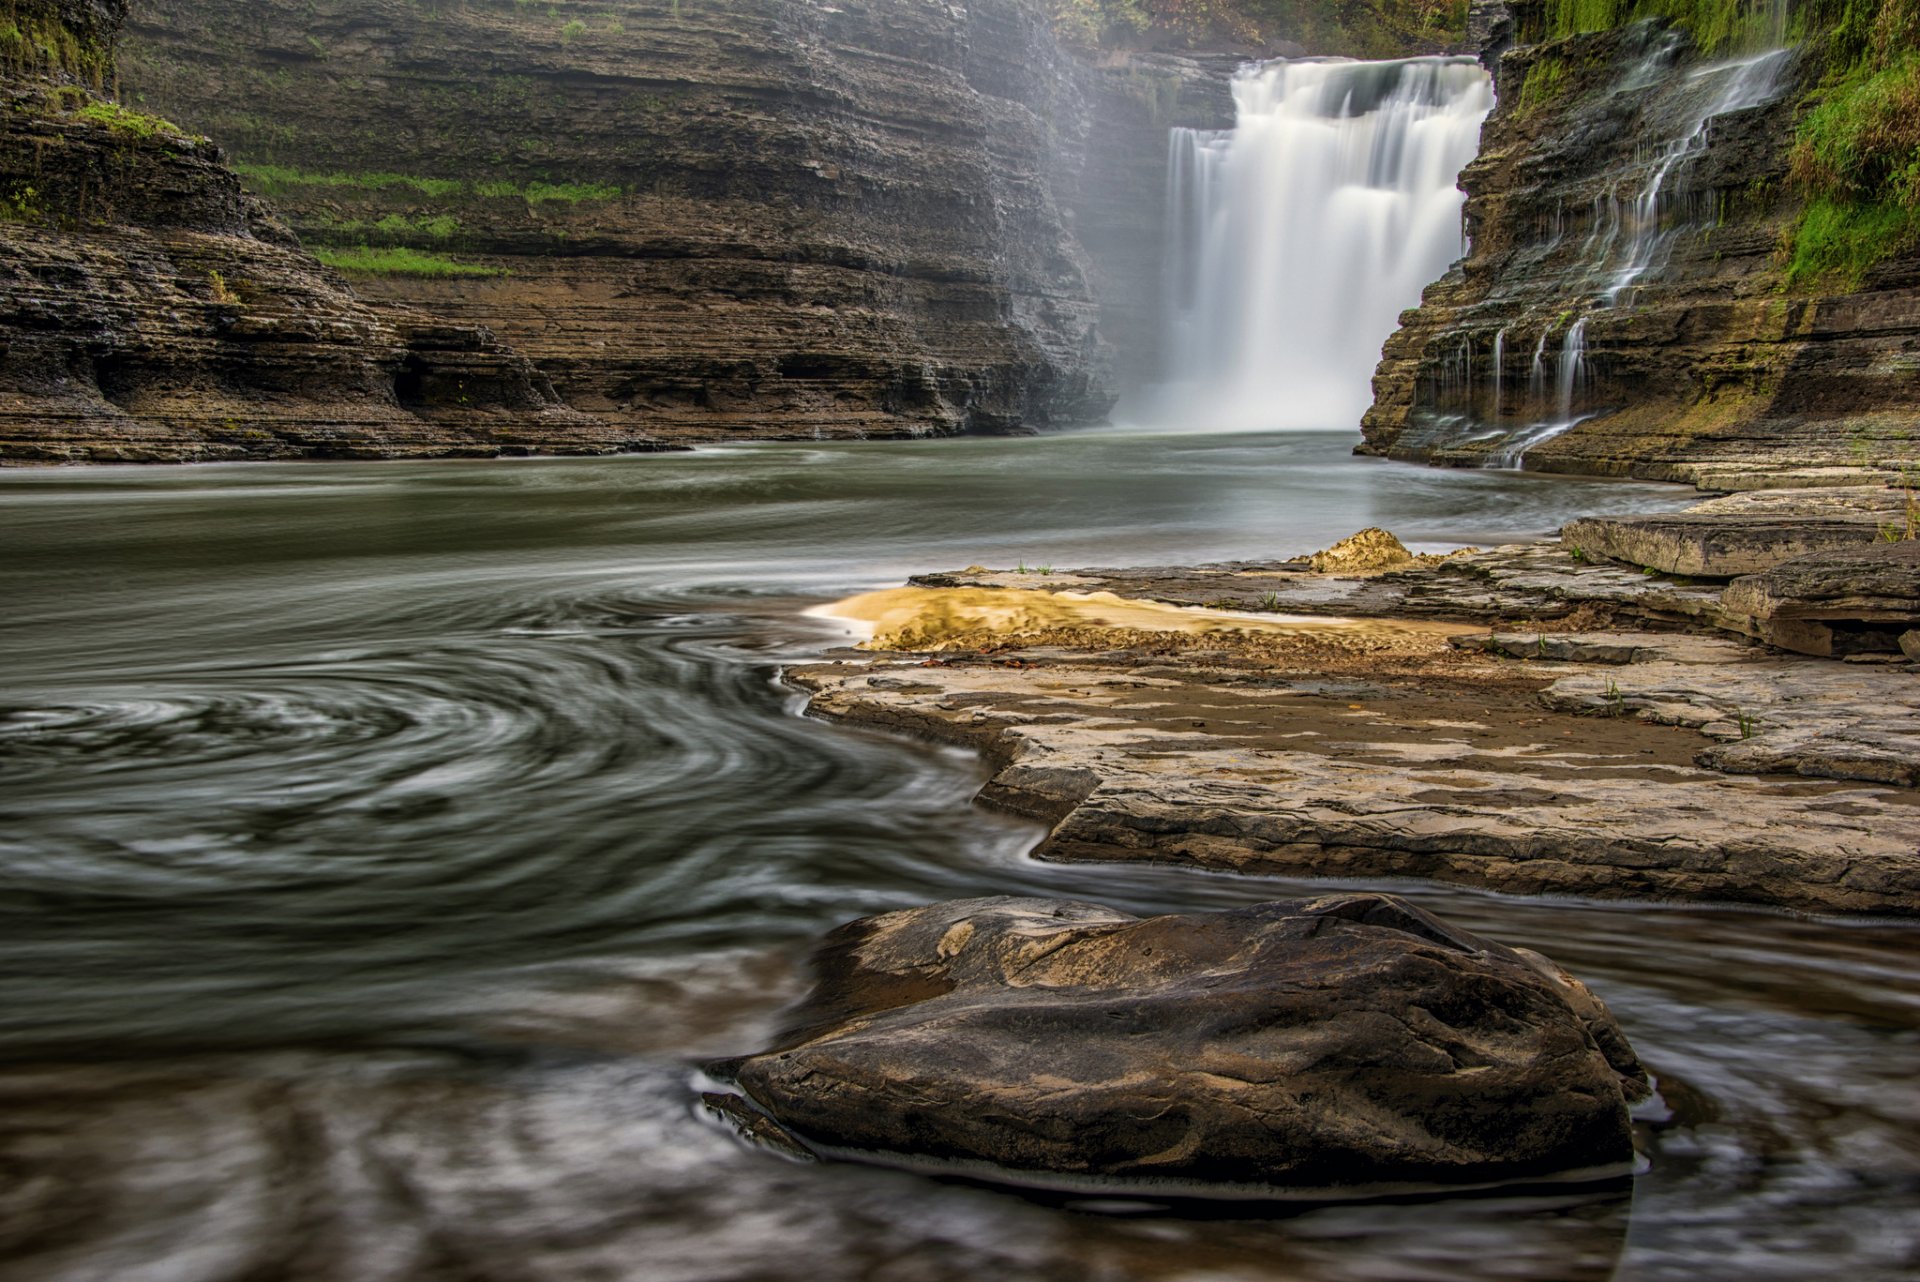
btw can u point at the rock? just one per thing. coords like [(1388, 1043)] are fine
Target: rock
[(1371, 549), (1347, 1045), (1712, 546), (1910, 644), (1846, 601), (151, 311), (766, 218), (1707, 367), (1704, 769)]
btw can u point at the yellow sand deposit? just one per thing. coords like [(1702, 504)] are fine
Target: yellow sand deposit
[(944, 618)]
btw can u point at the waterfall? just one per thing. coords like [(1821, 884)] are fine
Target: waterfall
[(1630, 239), (1499, 369), (1720, 88), (1297, 238), (1573, 368)]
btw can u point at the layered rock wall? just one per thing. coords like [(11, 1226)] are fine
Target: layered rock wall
[(1602, 199), (151, 311), (770, 217)]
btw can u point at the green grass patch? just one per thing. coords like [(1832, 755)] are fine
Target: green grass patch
[(281, 180), (1856, 154), (1360, 28), (278, 180), (571, 193), (367, 260), (1717, 26)]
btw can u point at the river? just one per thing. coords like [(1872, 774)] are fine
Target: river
[(382, 846)]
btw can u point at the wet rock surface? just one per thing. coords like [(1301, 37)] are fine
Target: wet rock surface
[(1346, 1045), (1613, 735)]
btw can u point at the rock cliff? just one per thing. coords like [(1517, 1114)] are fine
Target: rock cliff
[(1625, 306), (771, 217), (150, 310)]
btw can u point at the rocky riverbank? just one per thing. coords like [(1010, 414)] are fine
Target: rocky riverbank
[(1533, 719)]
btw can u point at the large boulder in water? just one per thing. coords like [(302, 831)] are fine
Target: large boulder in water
[(1344, 1045)]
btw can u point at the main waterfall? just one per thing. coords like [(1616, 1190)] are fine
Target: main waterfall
[(1297, 238)]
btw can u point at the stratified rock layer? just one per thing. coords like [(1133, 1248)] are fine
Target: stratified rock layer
[(1693, 357), (766, 218), (150, 311), (1351, 1044)]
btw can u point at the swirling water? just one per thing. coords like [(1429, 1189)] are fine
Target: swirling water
[(382, 845)]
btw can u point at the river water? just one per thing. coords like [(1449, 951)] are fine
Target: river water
[(383, 845)]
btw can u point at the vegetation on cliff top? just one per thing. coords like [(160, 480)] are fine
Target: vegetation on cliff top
[(1716, 25), (1358, 28), (1857, 154)]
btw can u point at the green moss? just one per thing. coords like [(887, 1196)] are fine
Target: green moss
[(35, 42), (281, 180), (572, 193), (1361, 28), (1836, 243), (278, 180), (1716, 25), (1545, 83), (398, 261), (21, 205), (132, 123)]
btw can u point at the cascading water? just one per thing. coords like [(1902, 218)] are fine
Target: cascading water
[(1631, 239), (1298, 237)]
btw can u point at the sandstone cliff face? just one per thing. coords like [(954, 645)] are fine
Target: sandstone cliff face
[(762, 218), (1698, 360), (151, 311)]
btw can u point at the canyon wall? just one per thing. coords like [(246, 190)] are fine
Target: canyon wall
[(1627, 216), (150, 310), (716, 221)]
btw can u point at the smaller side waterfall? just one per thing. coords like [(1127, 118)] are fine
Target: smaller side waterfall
[(1573, 368), (1297, 238), (1633, 226), (1495, 383)]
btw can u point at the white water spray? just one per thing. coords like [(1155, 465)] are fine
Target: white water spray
[(1298, 237)]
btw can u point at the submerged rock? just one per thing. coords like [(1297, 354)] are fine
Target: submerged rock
[(1344, 1045)]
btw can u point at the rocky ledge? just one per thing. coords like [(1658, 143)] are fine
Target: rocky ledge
[(1343, 1046), (1625, 306), (1532, 719), (150, 311), (760, 218)]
